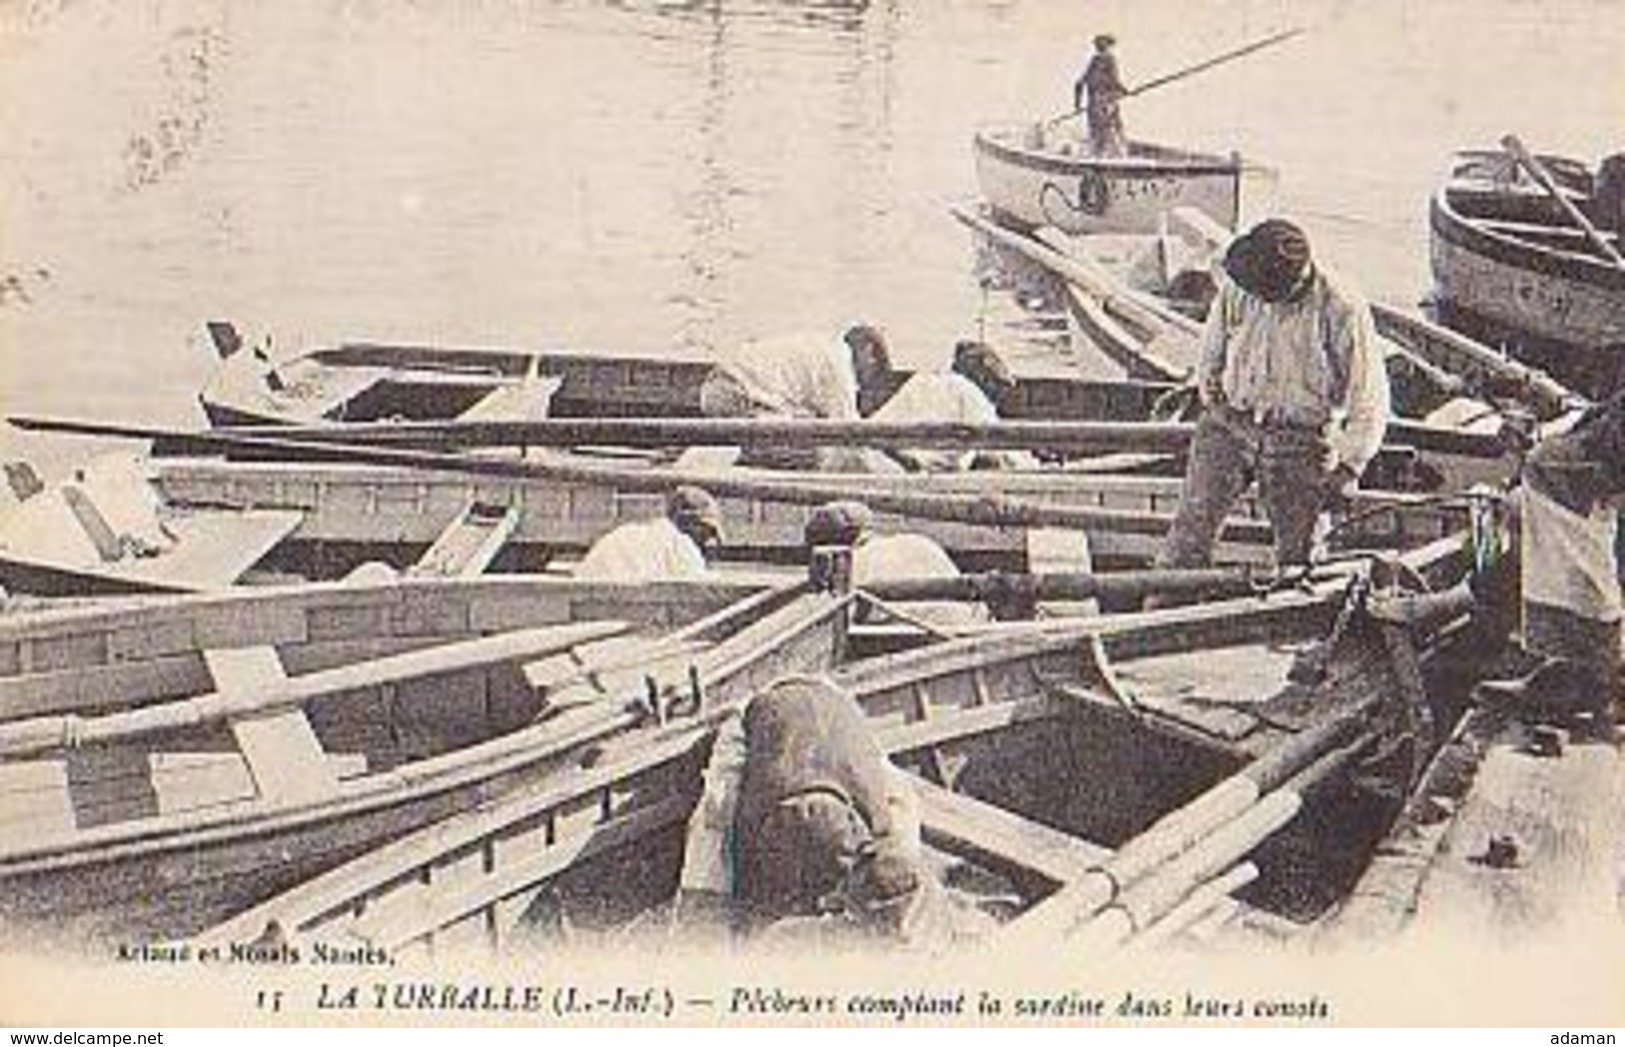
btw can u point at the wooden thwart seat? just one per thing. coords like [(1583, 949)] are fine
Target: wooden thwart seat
[(284, 755), (469, 543)]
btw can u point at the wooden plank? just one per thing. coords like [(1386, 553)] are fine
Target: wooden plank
[(34, 797), (1059, 550), (1566, 818), (97, 688), (967, 826), (941, 729), (284, 756), (1211, 690), (399, 924), (213, 550), (190, 781)]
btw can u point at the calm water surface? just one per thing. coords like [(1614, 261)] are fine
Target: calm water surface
[(655, 176)]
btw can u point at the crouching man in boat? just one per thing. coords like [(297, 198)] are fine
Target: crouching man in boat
[(973, 391), (1098, 94), (1573, 487), (801, 376), (1294, 395), (678, 544), (878, 557), (806, 834)]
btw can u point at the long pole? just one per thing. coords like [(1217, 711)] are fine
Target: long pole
[(1073, 437), (1210, 582), (1538, 172), (977, 511), (1200, 67), (1217, 60)]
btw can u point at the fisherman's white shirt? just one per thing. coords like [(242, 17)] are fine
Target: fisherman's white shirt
[(642, 551), (802, 375), (1314, 362), (939, 396)]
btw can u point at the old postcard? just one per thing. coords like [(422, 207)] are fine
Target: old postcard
[(834, 512)]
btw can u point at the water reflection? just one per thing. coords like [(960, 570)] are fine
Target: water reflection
[(647, 174)]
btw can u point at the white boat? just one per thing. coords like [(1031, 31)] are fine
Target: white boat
[(1034, 175)]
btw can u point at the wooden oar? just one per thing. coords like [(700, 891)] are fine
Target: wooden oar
[(1107, 585), (1273, 781), (1141, 308), (977, 511), (1538, 172), (339, 442), (45, 734)]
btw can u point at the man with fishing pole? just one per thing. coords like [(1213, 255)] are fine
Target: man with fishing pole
[(1098, 94)]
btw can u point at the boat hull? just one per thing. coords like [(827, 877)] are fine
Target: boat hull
[(1083, 194), (1556, 307)]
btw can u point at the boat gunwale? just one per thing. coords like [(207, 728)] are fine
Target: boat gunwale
[(988, 143), (235, 821), (1464, 233)]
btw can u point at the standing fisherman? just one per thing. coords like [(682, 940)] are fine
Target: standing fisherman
[(1573, 483), (1294, 394), (1104, 89)]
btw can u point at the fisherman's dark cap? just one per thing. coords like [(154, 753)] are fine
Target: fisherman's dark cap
[(978, 360), (838, 523), (1105, 40), (867, 336), (1270, 261), (695, 511)]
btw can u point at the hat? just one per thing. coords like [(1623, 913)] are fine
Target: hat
[(982, 364), (1270, 260), (870, 344), (838, 523), (1105, 40), (695, 512)]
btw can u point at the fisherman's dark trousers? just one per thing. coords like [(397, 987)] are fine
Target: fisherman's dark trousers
[(1228, 453)]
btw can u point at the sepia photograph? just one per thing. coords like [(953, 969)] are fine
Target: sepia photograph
[(890, 513)]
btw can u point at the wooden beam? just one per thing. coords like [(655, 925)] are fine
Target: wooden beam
[(970, 827)]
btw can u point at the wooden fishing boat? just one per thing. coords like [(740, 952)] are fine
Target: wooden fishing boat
[(165, 764), (1041, 175), (1014, 737), (108, 531), (351, 513), (365, 381), (1510, 266), (1138, 299), (1135, 300), (369, 381), (436, 513)]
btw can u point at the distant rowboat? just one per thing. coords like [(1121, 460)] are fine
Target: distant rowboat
[(1509, 266), (1031, 179)]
